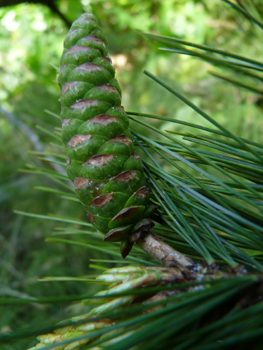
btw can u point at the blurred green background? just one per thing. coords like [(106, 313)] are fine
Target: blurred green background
[(31, 39)]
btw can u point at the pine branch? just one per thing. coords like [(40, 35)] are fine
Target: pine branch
[(164, 253)]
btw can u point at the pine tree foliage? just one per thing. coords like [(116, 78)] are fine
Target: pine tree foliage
[(209, 209)]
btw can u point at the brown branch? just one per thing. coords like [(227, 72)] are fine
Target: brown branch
[(166, 254), (49, 3), (54, 8)]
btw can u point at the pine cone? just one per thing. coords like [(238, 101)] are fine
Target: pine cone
[(107, 174)]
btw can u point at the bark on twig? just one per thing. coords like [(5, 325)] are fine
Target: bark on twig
[(164, 253)]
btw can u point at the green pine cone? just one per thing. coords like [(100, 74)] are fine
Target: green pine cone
[(107, 174)]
